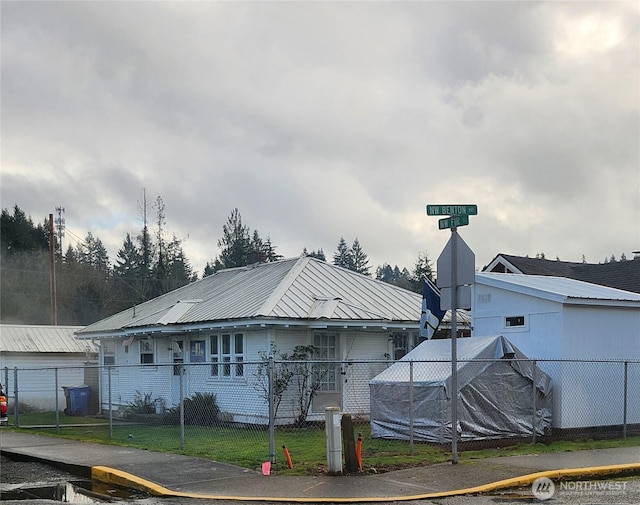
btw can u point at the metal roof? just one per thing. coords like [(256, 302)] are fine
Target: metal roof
[(623, 275), (301, 290), (36, 339), (560, 289)]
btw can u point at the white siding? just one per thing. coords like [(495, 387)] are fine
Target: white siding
[(539, 338), (36, 378), (584, 395), (361, 347)]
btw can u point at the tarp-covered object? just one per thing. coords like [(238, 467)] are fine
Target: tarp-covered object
[(495, 393)]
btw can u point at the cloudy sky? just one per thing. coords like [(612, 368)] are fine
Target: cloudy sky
[(326, 119)]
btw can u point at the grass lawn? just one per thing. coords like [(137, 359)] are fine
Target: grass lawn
[(249, 447)]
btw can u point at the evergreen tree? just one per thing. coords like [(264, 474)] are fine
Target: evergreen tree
[(240, 247), (359, 258), (179, 271), (129, 280), (92, 254), (128, 259), (18, 233), (422, 268), (343, 257), (212, 267), (319, 254), (235, 242), (385, 273)]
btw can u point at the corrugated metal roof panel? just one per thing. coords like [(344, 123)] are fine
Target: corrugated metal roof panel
[(287, 289), (26, 338)]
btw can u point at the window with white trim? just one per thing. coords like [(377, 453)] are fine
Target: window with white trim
[(326, 376), (108, 352), (146, 351), (227, 355)]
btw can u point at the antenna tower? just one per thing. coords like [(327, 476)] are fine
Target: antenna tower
[(60, 225)]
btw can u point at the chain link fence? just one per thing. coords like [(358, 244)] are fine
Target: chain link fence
[(243, 412)]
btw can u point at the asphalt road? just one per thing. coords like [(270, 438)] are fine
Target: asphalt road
[(606, 492)]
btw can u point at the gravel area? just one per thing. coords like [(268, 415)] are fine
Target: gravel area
[(19, 472)]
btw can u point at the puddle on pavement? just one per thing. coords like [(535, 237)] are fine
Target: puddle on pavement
[(73, 492)]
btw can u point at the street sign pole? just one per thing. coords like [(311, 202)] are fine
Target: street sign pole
[(454, 347), (458, 215)]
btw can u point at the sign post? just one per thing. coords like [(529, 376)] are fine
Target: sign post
[(448, 266)]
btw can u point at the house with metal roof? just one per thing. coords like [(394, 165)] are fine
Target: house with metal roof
[(37, 361), (586, 336), (623, 275), (224, 324)]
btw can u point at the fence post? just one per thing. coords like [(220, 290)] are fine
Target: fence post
[(110, 402), (624, 417), (272, 420), (6, 386), (182, 407), (16, 410), (56, 397), (535, 390), (411, 408)]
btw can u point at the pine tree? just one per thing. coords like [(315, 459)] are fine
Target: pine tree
[(343, 256), (235, 242), (422, 268), (18, 233), (319, 254), (240, 247), (359, 258), (179, 271)]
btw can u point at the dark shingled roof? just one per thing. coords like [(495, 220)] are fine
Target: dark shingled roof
[(623, 275)]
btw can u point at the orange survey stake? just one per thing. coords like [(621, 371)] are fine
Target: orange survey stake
[(359, 451), (288, 456)]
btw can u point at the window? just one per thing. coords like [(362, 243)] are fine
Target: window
[(402, 344), (238, 353), (227, 355), (196, 351), (215, 356), (513, 321), (108, 352), (325, 376), (146, 351)]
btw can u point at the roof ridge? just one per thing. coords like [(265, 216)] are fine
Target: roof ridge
[(276, 295)]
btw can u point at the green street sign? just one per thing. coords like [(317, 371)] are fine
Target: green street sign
[(452, 210), (452, 222)]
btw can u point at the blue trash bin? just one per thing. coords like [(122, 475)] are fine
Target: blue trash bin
[(77, 400)]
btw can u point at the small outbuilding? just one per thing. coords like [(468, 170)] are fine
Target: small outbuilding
[(34, 358), (499, 391), (585, 336)]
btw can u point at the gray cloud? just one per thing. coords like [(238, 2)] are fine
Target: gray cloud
[(321, 119)]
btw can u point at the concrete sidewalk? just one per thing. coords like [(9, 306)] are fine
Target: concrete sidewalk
[(167, 474)]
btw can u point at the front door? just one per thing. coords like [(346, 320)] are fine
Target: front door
[(178, 363), (327, 376)]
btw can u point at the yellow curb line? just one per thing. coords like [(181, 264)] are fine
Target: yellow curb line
[(127, 480)]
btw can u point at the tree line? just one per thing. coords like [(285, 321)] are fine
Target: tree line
[(90, 286)]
